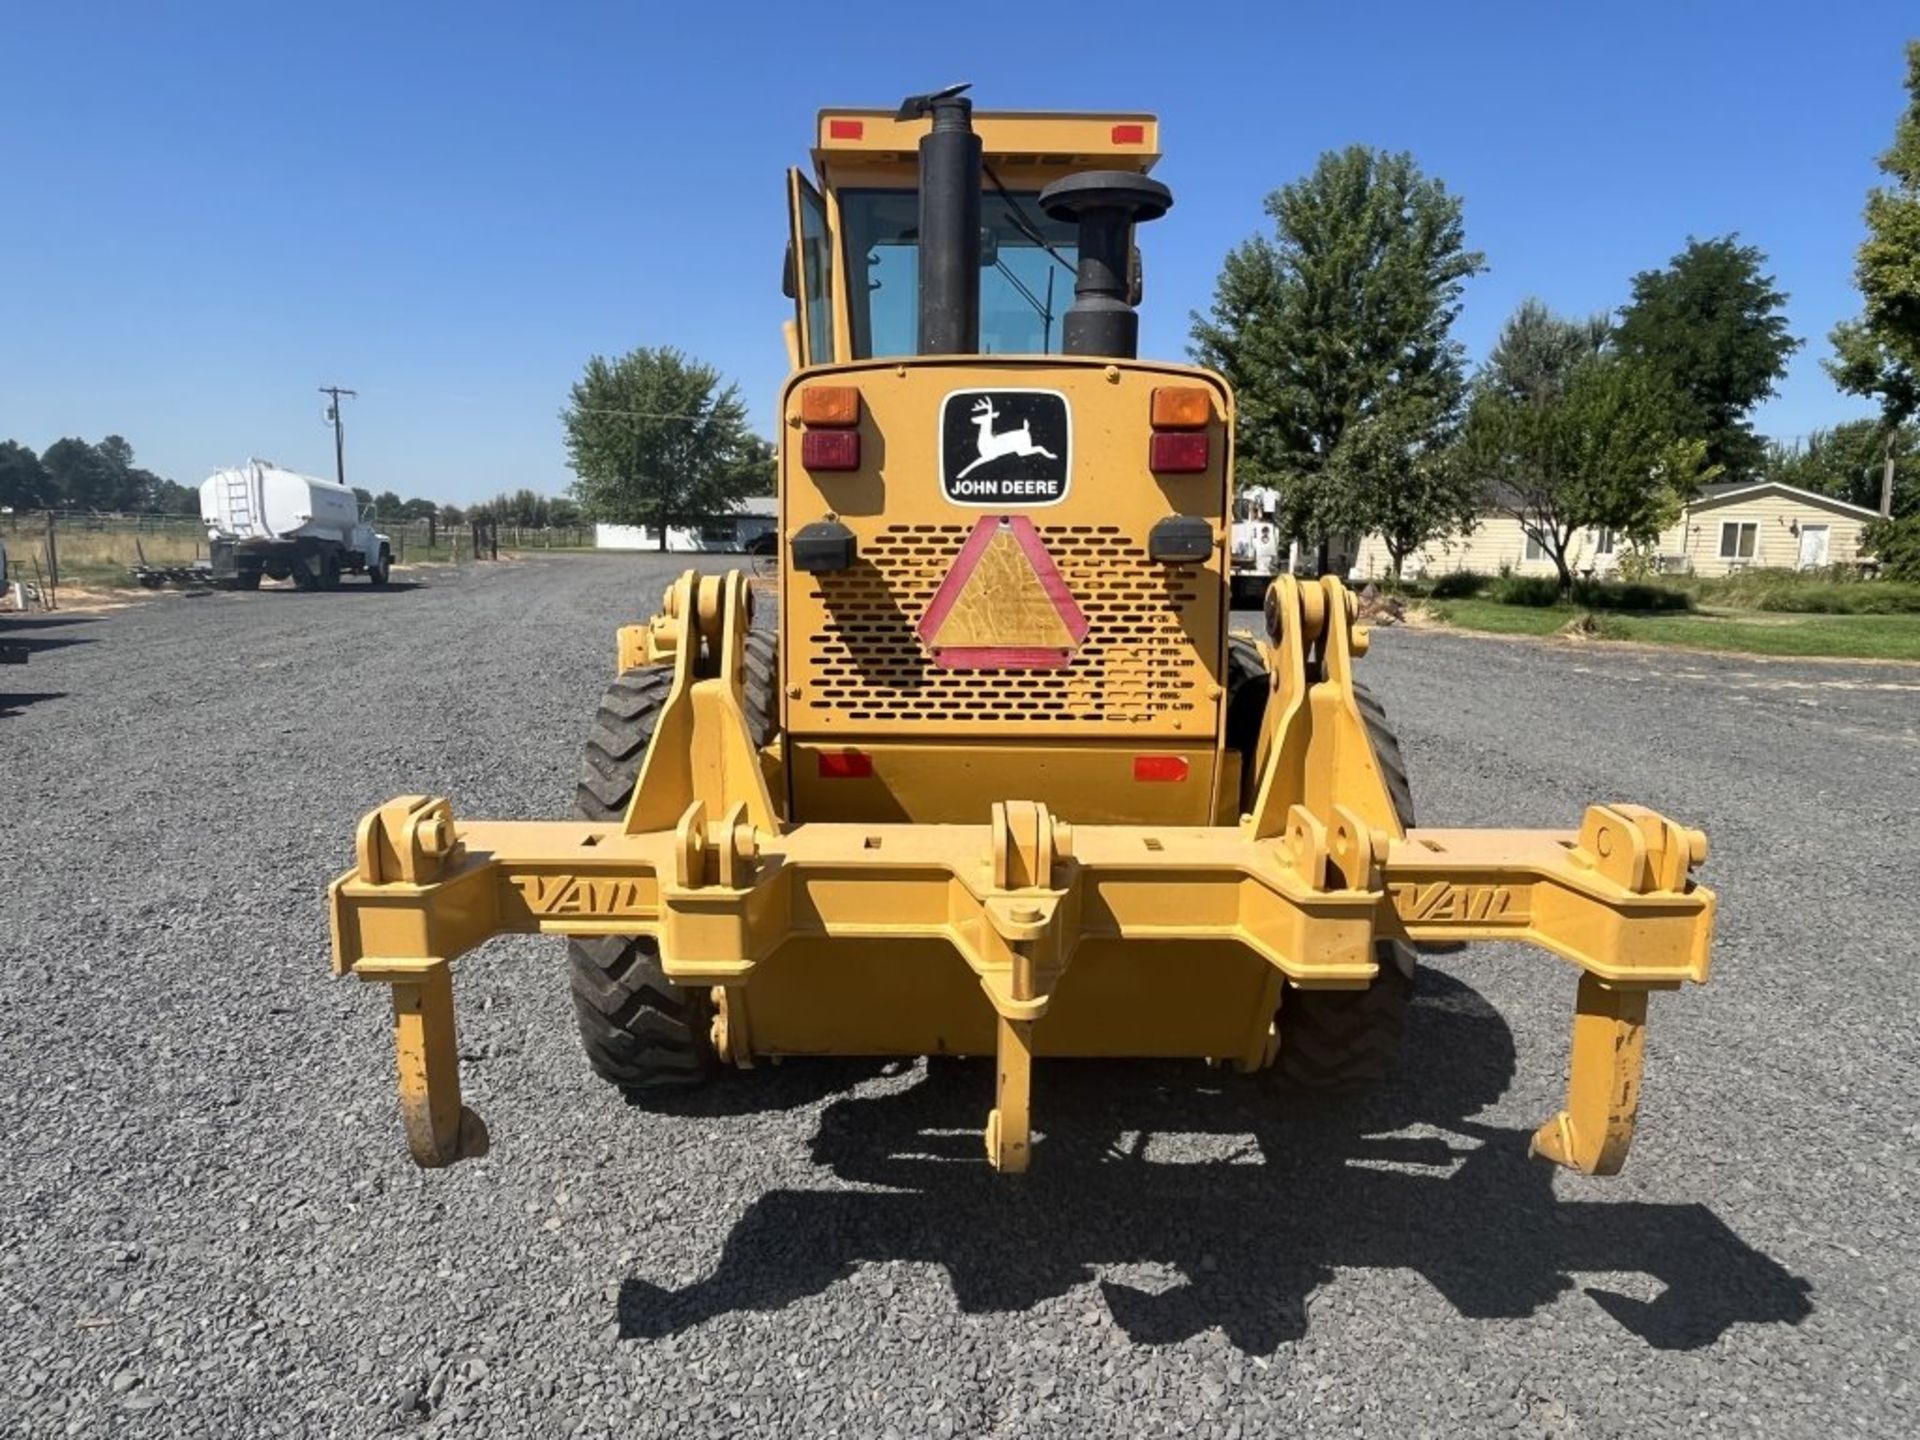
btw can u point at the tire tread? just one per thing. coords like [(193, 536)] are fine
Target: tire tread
[(641, 1032)]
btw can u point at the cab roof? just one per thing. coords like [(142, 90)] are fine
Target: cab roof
[(1121, 140)]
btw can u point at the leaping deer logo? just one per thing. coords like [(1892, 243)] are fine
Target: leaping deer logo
[(1007, 442)]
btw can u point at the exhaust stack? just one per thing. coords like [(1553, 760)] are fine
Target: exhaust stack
[(1107, 204), (949, 223)]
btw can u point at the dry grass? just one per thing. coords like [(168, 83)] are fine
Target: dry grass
[(105, 556)]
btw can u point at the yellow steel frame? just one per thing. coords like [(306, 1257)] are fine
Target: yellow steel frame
[(1307, 881)]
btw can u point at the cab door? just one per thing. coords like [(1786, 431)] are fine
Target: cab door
[(812, 252)]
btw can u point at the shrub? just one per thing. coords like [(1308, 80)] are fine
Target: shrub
[(1837, 591), (1896, 543), (1616, 595), (1541, 591), (1637, 565), (1538, 591), (1884, 597), (1459, 585)]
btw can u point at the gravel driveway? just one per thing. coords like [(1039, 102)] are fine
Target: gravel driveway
[(209, 1226)]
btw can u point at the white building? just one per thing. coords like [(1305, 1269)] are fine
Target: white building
[(756, 518)]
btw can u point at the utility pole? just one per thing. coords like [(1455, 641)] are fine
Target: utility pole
[(1886, 477), (339, 430)]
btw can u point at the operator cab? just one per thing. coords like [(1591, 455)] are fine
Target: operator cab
[(856, 230)]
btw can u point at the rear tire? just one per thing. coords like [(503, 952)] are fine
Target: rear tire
[(1333, 1040), (642, 1032)]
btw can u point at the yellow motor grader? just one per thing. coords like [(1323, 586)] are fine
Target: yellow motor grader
[(993, 778)]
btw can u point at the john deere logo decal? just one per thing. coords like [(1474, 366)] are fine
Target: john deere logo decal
[(1005, 447)]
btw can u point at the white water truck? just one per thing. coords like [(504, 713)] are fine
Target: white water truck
[(265, 521), (1259, 551)]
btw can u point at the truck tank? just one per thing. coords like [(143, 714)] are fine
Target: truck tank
[(260, 501)]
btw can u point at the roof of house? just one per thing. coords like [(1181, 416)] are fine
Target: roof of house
[(1501, 499), (1724, 492)]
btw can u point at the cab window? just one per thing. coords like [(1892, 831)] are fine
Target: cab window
[(816, 267), (1026, 275)]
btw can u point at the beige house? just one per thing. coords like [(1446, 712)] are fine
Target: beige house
[(1744, 526)]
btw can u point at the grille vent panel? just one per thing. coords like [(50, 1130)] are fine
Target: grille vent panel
[(1140, 667)]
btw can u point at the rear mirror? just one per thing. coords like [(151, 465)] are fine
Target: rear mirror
[(788, 286)]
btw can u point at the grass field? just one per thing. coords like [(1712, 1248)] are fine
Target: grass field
[(1751, 632), (105, 556)]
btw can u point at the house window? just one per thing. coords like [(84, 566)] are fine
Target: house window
[(1603, 539), (1737, 539), (1535, 550)]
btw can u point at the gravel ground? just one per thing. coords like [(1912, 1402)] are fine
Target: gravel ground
[(208, 1224)]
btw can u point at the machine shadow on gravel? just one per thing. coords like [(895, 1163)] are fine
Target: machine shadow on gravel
[(1284, 1193), (29, 633), (765, 1090), (17, 623), (12, 705), (350, 586)]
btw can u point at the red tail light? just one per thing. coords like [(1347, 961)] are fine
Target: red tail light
[(832, 449), (845, 765), (1182, 452), (1159, 767)]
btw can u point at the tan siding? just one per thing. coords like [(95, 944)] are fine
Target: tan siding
[(1498, 541), (1776, 546)]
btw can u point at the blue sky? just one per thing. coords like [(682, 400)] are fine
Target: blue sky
[(212, 209)]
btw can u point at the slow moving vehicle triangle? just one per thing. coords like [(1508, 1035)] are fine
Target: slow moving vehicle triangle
[(1003, 605)]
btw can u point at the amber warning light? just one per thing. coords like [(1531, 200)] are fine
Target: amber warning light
[(1180, 444)]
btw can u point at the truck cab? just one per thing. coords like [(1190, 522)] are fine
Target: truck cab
[(1259, 554)]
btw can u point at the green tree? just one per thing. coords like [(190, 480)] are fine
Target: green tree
[(1711, 326), (519, 507), (133, 488), (24, 481), (757, 470), (1336, 335), (1538, 349), (1878, 355), (1603, 450), (387, 505), (1847, 462), (171, 499), (656, 439), (1420, 487), (83, 478), (1896, 544)]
